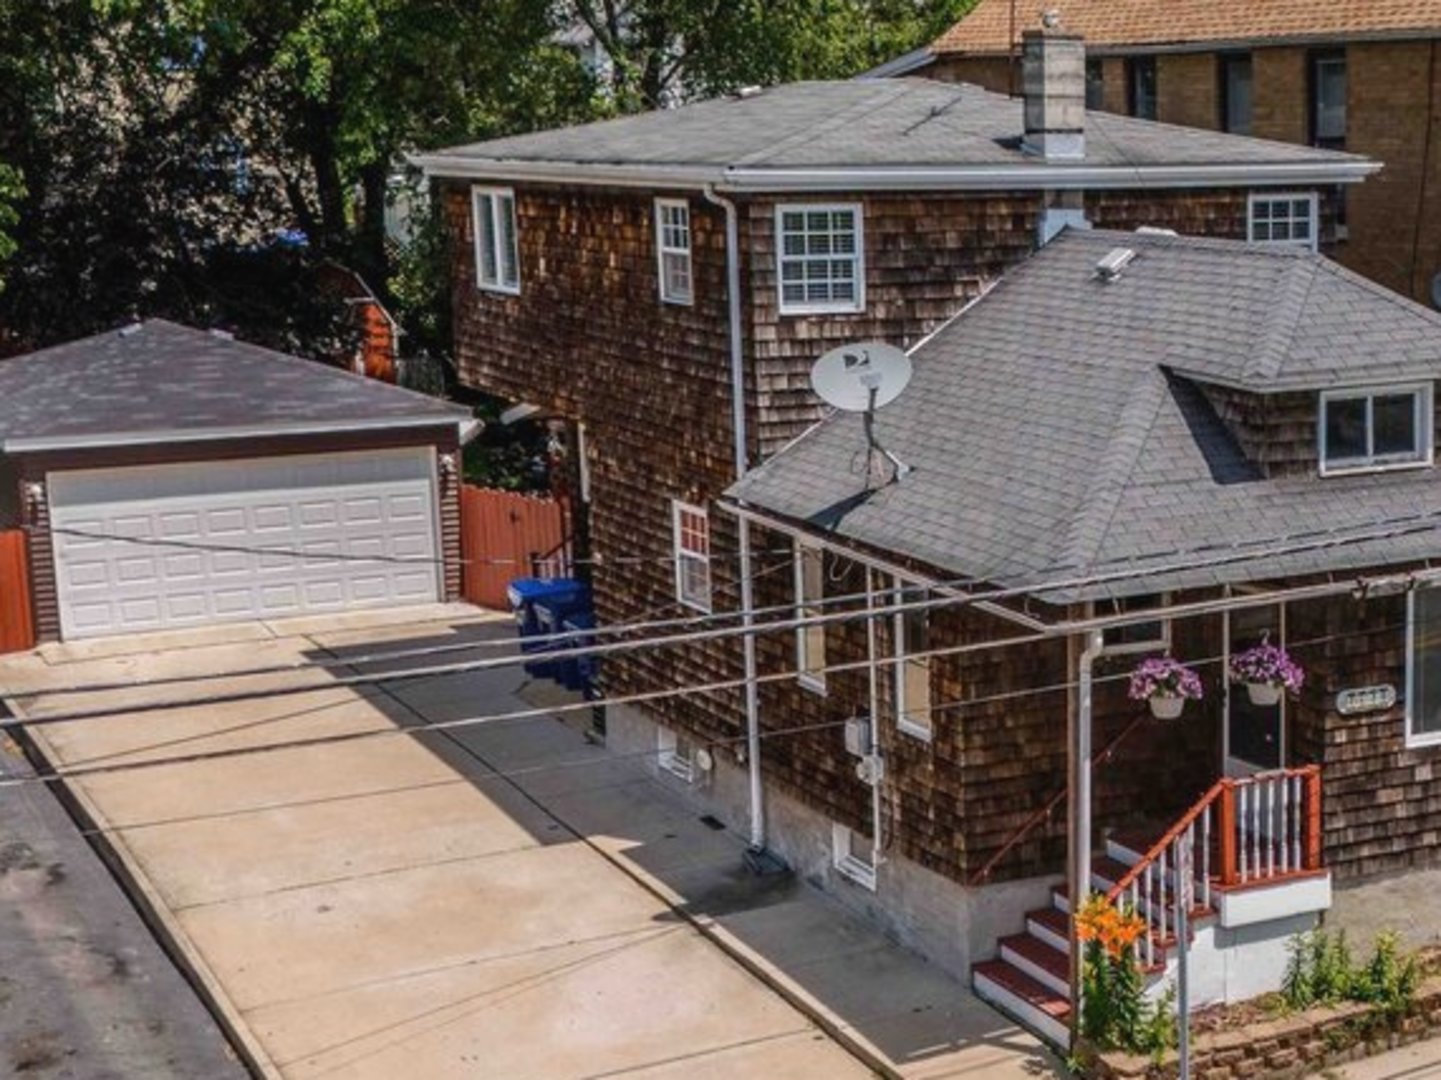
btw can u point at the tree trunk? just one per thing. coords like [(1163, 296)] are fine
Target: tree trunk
[(371, 257)]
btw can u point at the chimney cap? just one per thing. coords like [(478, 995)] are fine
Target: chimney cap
[(1051, 19)]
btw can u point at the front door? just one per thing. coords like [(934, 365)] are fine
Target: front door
[(1255, 735)]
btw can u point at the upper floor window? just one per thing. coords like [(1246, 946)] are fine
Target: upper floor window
[(810, 593), (912, 632), (1285, 218), (1389, 427), (1095, 83), (819, 258), (1237, 96), (672, 232), (1423, 667), (1152, 635), (691, 527), (1328, 99), (497, 255), (1141, 87)]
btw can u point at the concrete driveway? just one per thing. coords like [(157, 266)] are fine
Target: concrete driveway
[(399, 905)]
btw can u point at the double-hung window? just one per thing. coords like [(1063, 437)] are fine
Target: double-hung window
[(1381, 428), (1153, 635), (1237, 93), (1141, 87), (1328, 100), (810, 593), (691, 526), (912, 683), (1423, 667), (672, 234), (1285, 218), (820, 260), (497, 253)]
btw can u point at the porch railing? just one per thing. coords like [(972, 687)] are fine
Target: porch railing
[(1247, 831)]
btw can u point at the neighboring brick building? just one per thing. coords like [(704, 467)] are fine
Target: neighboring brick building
[(1351, 75), (664, 283)]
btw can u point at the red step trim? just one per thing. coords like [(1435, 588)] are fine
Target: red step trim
[(1030, 991), (1033, 949)]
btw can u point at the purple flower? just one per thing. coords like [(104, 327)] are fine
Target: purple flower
[(1161, 676), (1269, 664)]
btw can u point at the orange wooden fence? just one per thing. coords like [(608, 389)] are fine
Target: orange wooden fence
[(502, 534), (17, 631)]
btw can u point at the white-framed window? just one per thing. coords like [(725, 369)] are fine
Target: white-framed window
[(675, 754), (911, 678), (672, 250), (1153, 635), (691, 526), (1328, 100), (810, 593), (1423, 666), (820, 258), (1387, 427), (497, 248), (854, 856), (1283, 218)]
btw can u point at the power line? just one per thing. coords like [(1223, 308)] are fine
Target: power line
[(1412, 523)]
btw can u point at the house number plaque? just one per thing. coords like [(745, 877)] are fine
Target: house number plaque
[(1365, 699)]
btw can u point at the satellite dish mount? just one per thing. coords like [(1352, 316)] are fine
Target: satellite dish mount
[(863, 378)]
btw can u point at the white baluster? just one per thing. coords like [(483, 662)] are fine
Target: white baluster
[(1242, 797), (1206, 854), (1161, 899), (1271, 827), (1298, 794), (1285, 838)]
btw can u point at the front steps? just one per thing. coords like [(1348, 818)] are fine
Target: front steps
[(1029, 980)]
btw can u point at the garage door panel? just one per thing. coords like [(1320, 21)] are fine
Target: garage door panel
[(289, 536)]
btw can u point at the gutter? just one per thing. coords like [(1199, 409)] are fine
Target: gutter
[(1019, 177), (43, 444)]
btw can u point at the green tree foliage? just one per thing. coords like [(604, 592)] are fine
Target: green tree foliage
[(11, 190)]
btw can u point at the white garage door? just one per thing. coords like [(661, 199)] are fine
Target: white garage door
[(168, 546)]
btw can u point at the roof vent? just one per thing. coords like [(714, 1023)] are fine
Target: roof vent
[(223, 335), (1110, 265), (133, 328), (749, 91), (1153, 230)]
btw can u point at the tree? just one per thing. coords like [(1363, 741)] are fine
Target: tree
[(662, 50), (11, 190)]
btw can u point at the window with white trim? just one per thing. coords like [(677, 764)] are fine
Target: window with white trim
[(1423, 666), (691, 526), (854, 856), (1154, 635), (675, 754), (810, 593), (820, 265), (1289, 218), (911, 679), (672, 246), (497, 252), (1382, 428)]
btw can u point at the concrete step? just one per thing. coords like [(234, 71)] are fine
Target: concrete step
[(1024, 999), (1046, 964)]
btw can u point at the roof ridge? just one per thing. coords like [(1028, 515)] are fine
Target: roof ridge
[(1283, 321), (895, 88)]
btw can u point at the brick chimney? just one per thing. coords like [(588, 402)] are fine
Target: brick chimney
[(1053, 86)]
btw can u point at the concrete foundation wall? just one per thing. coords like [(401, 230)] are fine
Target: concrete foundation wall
[(1405, 902), (950, 925)]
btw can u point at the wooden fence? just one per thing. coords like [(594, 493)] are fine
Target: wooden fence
[(17, 630), (504, 536)]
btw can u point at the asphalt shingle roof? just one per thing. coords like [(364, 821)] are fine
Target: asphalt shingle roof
[(884, 123), (159, 378), (1056, 429), (987, 28)]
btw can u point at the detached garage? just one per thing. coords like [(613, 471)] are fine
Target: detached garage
[(171, 478)]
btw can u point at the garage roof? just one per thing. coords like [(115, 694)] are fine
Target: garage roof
[(158, 382)]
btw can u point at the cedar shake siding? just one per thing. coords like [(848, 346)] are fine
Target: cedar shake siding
[(32, 468)]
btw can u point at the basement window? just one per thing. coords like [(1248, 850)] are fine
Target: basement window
[(691, 527), (497, 255), (854, 856), (912, 678), (819, 262), (810, 593), (672, 232), (1367, 430), (1287, 218), (675, 754)]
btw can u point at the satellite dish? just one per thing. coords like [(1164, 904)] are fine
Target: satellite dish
[(862, 377)]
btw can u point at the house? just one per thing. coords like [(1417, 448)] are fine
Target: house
[(149, 464), (1125, 474), (1354, 75), (661, 285)]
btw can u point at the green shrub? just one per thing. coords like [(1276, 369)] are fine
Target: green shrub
[(1322, 971)]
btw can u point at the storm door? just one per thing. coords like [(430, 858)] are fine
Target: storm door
[(1255, 735)]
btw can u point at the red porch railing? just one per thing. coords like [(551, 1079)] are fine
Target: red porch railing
[(1249, 831)]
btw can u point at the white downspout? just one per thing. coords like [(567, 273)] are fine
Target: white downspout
[(742, 463), (1079, 877), (875, 717)]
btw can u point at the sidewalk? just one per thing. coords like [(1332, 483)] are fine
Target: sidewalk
[(1419, 1061)]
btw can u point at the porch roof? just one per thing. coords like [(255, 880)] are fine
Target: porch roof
[(1058, 429)]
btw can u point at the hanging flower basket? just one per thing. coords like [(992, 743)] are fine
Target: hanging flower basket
[(1268, 672), (1166, 684)]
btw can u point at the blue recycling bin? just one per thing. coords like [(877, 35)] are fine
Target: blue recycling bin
[(579, 672), (551, 612), (539, 605)]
